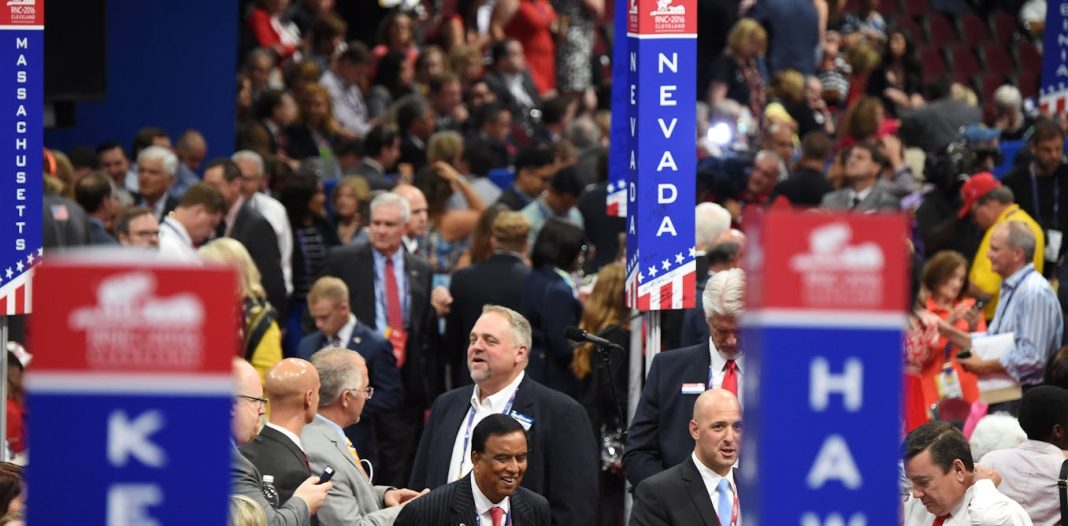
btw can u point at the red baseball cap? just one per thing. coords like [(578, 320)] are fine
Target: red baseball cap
[(974, 189)]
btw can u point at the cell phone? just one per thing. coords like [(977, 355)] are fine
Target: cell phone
[(326, 475), (980, 303), (964, 355)]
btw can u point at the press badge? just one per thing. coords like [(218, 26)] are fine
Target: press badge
[(1053, 244), (695, 388), (948, 383), (523, 420)]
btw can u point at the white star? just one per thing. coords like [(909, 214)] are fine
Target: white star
[(693, 252), (611, 187), (666, 264), (19, 265), (40, 251), (9, 273), (640, 277), (652, 271), (678, 258), (29, 258)]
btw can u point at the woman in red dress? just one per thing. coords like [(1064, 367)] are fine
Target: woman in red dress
[(531, 22)]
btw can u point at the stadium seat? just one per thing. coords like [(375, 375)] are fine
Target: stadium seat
[(996, 58), (973, 29), (939, 31), (917, 8), (1029, 58), (988, 84), (932, 63), (1005, 26), (965, 66), (1027, 81)]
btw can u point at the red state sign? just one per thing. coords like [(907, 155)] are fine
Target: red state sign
[(22, 13), (662, 17)]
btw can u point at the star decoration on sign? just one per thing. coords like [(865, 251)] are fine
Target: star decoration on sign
[(29, 258), (693, 252), (40, 252), (640, 277), (666, 264), (652, 271), (9, 273), (19, 265), (678, 258), (611, 187)]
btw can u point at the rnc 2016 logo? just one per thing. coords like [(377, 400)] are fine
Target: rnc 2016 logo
[(22, 11)]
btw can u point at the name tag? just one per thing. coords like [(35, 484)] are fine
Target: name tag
[(524, 420), (695, 388)]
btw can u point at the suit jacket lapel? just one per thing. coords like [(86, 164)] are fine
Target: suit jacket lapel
[(328, 433), (418, 293), (364, 268), (271, 434), (698, 372), (445, 440), (463, 500), (521, 508), (695, 487)]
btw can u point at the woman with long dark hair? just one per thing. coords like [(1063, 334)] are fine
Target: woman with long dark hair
[(898, 81)]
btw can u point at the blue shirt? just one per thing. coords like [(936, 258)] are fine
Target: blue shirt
[(1029, 309), (380, 287)]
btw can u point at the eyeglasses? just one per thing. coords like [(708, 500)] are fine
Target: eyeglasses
[(369, 391), (145, 233), (261, 403)]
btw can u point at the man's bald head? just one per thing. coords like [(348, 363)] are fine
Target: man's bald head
[(716, 429), (246, 379), (293, 388), (714, 398), (419, 216), (248, 406)]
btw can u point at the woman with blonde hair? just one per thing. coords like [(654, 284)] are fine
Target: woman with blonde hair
[(350, 198), (246, 512), (739, 74), (261, 338), (316, 132)]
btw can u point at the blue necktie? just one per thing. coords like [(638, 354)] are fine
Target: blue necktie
[(726, 502)]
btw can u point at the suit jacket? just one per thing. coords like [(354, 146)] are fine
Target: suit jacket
[(659, 435), (563, 462), (878, 200), (498, 281), (375, 177), (246, 480), (550, 305), (455, 504), (495, 82), (513, 199), (422, 373), (63, 222), (169, 204), (275, 454), (98, 235), (384, 377), (353, 501), (675, 496), (413, 152), (253, 231), (694, 329)]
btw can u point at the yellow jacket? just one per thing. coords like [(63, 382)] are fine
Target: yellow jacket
[(982, 275)]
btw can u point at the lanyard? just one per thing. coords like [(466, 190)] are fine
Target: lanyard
[(507, 518), (1055, 222), (1008, 300), (471, 424)]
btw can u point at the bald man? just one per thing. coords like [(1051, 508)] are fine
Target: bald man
[(418, 219), (248, 407), (292, 386), (703, 485)]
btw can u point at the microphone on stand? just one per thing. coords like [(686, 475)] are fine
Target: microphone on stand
[(578, 335)]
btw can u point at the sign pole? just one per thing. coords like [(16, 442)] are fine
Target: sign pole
[(5, 452)]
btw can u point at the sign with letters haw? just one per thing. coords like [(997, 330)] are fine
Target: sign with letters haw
[(660, 157), (21, 149), (131, 392), (822, 336)]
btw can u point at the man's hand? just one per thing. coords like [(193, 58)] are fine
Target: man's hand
[(979, 366), (400, 496), (313, 493), (986, 472), (893, 150), (441, 300)]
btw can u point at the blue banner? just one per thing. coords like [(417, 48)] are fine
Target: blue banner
[(1053, 92), (619, 137)]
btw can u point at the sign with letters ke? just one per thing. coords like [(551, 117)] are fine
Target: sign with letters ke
[(21, 149), (131, 388), (660, 155), (822, 335)]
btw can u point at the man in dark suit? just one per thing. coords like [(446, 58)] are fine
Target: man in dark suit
[(562, 464), (328, 305), (156, 166), (389, 291), (862, 191), (94, 193), (496, 281), (248, 407), (246, 225), (415, 119), (292, 386), (490, 494), (657, 438), (381, 150), (534, 168), (701, 489), (510, 79)]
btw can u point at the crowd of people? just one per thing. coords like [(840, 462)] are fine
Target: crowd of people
[(416, 210)]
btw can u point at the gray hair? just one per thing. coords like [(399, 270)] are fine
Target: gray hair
[(711, 221), (1001, 194), (725, 293), (994, 432), (1008, 98), (161, 154), (250, 156), (387, 199), (520, 326), (1021, 237), (584, 133), (768, 155), (338, 370)]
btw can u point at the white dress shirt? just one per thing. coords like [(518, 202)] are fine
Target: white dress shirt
[(460, 461), (483, 505), (288, 434), (711, 480), (275, 214), (1029, 475), (982, 505), (175, 243), (718, 363)]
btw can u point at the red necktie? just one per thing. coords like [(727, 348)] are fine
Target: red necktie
[(496, 514), (730, 378), (939, 520), (394, 315)]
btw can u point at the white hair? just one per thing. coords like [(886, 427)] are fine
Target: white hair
[(773, 157), (161, 154), (994, 432), (711, 221), (250, 156), (386, 199), (1008, 97), (725, 293)]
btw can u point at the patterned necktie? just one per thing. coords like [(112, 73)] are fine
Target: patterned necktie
[(940, 520), (496, 514), (730, 378), (355, 456), (726, 503), (394, 314)]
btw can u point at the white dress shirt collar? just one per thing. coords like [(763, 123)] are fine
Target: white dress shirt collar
[(483, 504), (719, 362), (711, 480), (344, 335), (861, 195), (496, 402), (288, 434)]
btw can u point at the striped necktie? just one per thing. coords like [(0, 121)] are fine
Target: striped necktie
[(355, 456)]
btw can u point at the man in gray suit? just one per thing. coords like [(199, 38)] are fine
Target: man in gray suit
[(248, 407), (343, 391), (863, 166)]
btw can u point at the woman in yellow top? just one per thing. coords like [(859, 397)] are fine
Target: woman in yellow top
[(261, 338)]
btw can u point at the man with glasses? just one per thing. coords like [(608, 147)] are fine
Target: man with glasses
[(343, 392), (328, 305), (248, 407), (137, 227)]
